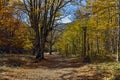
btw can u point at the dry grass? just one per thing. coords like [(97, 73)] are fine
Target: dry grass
[(55, 67)]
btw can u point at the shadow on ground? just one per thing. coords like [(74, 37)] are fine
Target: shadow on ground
[(56, 61), (65, 68)]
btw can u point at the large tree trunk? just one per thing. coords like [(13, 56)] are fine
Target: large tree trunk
[(40, 51), (41, 46), (36, 46), (42, 41)]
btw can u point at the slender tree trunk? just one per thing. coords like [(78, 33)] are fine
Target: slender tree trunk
[(73, 47), (66, 50), (50, 51), (91, 49), (50, 45), (86, 58), (88, 46), (97, 45), (112, 49), (118, 35), (84, 41)]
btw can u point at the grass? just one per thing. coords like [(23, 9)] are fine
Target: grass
[(104, 71)]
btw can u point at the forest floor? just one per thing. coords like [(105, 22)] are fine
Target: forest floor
[(55, 67)]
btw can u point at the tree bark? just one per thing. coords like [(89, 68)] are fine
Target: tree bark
[(97, 45), (50, 46), (84, 41)]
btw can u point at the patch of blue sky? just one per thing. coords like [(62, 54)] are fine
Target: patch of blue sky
[(84, 2), (65, 19), (69, 12)]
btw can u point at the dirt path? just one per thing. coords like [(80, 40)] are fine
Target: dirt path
[(55, 67)]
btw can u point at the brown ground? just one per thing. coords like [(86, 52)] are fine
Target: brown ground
[(54, 67)]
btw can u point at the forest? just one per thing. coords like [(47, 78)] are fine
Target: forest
[(59, 39)]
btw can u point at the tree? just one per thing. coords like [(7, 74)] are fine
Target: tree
[(42, 15), (102, 30), (14, 33), (118, 38)]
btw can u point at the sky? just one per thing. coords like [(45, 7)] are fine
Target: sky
[(70, 11), (66, 19)]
